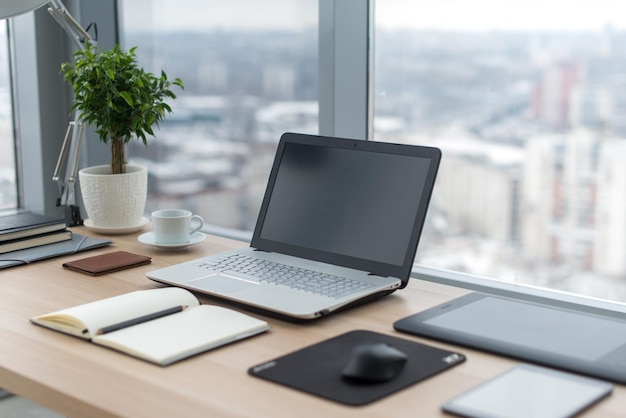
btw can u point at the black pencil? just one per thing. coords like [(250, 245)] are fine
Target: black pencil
[(140, 320)]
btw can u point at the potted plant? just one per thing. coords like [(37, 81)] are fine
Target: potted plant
[(121, 101)]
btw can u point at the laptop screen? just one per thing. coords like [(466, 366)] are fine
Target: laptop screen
[(358, 204)]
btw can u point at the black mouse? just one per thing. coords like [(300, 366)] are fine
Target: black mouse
[(374, 362)]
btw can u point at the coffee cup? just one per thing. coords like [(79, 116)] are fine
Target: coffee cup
[(174, 226)]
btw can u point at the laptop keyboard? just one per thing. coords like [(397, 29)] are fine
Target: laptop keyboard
[(280, 274)]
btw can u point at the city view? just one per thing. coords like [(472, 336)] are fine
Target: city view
[(531, 187), (213, 155)]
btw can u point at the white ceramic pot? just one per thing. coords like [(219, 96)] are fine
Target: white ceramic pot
[(114, 200)]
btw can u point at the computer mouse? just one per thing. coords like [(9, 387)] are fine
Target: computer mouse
[(374, 362)]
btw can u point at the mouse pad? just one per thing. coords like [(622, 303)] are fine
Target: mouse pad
[(316, 369)]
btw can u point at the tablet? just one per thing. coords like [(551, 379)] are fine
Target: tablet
[(529, 391), (581, 342)]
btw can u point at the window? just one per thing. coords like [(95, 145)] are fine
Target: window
[(455, 80), (526, 102), (248, 78), (8, 188)]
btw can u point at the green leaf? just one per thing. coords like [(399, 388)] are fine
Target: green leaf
[(127, 97)]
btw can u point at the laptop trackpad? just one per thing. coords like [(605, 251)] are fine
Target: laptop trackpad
[(221, 283)]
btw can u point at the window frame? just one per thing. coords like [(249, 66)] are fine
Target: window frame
[(345, 68)]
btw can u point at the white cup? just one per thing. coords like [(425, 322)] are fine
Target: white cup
[(173, 226)]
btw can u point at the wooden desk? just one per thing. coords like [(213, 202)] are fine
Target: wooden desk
[(80, 379)]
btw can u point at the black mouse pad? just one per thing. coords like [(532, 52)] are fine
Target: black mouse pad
[(316, 369)]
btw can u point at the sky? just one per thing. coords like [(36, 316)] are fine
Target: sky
[(501, 14), (410, 14), (239, 14)]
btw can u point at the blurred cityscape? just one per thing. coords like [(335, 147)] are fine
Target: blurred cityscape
[(532, 184), (532, 187), (214, 153)]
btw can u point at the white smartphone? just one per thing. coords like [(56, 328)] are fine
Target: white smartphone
[(529, 391)]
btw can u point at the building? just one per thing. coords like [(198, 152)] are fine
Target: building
[(478, 188)]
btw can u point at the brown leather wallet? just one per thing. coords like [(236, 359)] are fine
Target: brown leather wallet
[(107, 263)]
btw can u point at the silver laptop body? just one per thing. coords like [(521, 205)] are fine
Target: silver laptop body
[(334, 210)]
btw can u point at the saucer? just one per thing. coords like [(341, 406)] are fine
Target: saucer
[(148, 238), (113, 230)]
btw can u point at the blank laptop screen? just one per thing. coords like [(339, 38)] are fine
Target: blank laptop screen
[(357, 202)]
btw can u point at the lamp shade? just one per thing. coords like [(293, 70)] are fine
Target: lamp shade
[(10, 8)]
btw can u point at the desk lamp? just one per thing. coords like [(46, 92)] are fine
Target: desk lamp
[(74, 133)]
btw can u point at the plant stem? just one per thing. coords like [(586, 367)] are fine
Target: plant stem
[(118, 165)]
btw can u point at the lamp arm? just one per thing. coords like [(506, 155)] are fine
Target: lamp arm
[(70, 148), (74, 133), (79, 35)]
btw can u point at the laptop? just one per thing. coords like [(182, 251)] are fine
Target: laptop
[(340, 218)]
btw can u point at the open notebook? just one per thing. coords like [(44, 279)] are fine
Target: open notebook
[(339, 224), (161, 326)]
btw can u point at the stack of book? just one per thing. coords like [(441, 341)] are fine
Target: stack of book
[(27, 230)]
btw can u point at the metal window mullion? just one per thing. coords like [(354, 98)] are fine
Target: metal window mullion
[(344, 68)]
